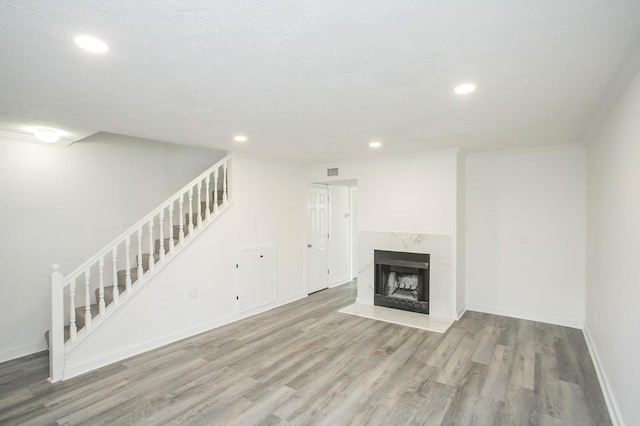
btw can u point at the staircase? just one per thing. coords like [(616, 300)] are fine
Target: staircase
[(131, 260)]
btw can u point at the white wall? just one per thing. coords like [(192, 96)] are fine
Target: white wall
[(268, 209), (412, 195), (539, 193), (339, 235), (61, 205), (613, 254), (409, 195)]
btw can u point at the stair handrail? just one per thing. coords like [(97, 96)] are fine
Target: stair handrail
[(116, 241), (196, 222)]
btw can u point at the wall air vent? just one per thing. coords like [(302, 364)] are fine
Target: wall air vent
[(332, 172)]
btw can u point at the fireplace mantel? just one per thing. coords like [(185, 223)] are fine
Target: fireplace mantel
[(440, 247)]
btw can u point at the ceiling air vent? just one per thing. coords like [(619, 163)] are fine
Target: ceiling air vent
[(332, 172)]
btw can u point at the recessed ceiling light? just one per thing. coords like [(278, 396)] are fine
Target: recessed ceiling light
[(375, 144), (47, 135), (465, 88), (240, 138), (91, 44)]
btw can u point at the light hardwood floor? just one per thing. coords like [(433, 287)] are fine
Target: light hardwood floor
[(305, 363)]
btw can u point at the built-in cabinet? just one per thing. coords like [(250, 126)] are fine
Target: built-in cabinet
[(257, 285)]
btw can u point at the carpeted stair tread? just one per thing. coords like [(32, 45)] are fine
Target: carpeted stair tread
[(145, 259), (67, 334), (108, 293), (203, 209), (176, 230), (80, 314), (156, 246), (122, 275), (187, 219)]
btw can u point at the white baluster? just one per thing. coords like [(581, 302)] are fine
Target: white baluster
[(116, 290), (171, 242), (140, 268), (152, 247), (180, 205), (56, 328), (207, 203), (225, 195), (87, 298), (161, 223), (199, 203), (127, 246), (215, 191), (73, 330), (191, 211), (101, 305)]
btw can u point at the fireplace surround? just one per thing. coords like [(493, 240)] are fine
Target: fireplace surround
[(402, 280)]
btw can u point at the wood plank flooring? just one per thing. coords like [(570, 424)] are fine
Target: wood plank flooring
[(305, 363)]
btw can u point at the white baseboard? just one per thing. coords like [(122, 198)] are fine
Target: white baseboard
[(612, 405), (119, 355), (461, 312), (338, 283), (531, 316), (21, 351)]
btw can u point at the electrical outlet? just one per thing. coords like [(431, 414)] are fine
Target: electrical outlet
[(193, 293), (524, 239)]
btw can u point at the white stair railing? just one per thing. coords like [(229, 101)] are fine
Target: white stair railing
[(122, 284)]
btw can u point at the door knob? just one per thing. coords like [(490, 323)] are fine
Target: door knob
[(309, 245)]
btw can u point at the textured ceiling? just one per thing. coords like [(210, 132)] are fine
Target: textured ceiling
[(314, 81)]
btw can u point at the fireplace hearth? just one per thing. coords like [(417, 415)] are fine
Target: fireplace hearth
[(402, 280)]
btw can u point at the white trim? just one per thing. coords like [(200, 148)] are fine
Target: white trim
[(428, 153), (612, 405), (525, 150), (353, 228), (461, 312), (531, 316), (149, 345), (339, 283), (21, 351)]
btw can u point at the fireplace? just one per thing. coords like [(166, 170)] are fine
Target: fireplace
[(402, 280)]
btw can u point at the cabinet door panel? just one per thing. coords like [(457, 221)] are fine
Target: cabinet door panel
[(248, 280), (267, 276)]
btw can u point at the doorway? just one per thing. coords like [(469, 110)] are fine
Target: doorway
[(331, 234), (317, 238)]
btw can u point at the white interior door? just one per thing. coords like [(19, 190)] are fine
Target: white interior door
[(317, 225)]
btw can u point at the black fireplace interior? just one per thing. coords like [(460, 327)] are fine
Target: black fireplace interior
[(402, 280)]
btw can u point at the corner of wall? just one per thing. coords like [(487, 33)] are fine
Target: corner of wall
[(612, 405)]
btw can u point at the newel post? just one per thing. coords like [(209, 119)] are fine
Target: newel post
[(56, 330)]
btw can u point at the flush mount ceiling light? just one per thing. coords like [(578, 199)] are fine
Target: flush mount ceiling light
[(375, 144), (240, 138), (47, 135), (465, 89), (91, 44)]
